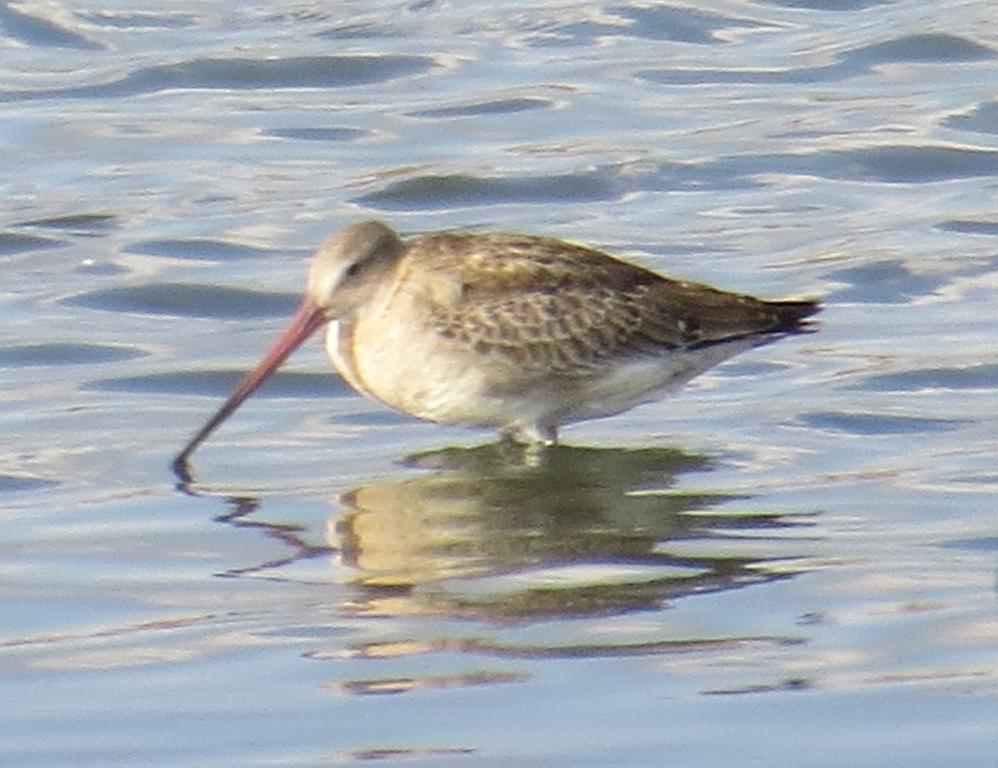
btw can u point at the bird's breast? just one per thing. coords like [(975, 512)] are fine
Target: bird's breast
[(409, 367), (340, 349)]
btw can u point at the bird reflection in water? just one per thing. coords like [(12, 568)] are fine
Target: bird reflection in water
[(479, 533), (584, 532)]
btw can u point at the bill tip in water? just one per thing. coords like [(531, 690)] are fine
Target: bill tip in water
[(181, 468)]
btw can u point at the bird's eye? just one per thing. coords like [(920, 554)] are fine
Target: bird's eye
[(354, 269)]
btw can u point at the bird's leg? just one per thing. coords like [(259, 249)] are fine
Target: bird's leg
[(531, 441), (532, 435)]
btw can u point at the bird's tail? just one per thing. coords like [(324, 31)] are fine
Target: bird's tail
[(792, 314)]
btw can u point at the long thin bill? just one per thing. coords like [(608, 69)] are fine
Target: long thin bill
[(307, 320)]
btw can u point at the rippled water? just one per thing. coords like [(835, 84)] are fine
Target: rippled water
[(793, 562)]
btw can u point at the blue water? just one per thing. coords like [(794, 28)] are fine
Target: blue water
[(793, 562)]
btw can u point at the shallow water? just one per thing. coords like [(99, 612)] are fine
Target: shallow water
[(793, 562)]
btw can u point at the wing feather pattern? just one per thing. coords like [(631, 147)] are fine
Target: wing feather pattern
[(548, 305)]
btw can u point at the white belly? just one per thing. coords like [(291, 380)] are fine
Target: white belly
[(425, 376), (419, 375)]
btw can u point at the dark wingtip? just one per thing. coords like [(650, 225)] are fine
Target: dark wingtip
[(792, 314)]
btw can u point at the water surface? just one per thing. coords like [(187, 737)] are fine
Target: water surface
[(793, 562)]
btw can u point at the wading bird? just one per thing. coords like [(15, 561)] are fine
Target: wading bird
[(514, 332)]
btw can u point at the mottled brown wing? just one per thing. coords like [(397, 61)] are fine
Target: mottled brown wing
[(548, 305)]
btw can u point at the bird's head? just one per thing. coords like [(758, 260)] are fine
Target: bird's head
[(346, 271), (348, 267)]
